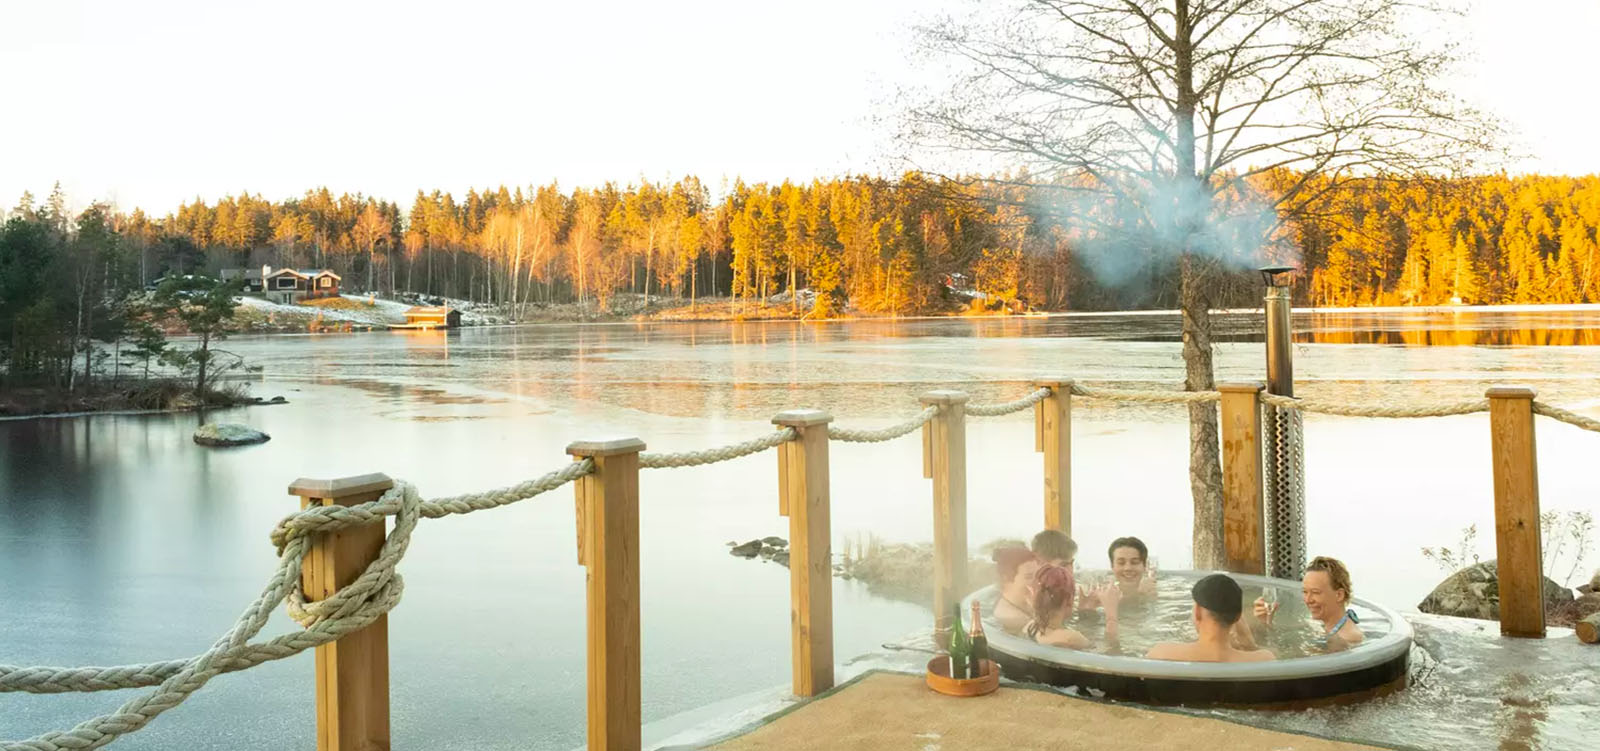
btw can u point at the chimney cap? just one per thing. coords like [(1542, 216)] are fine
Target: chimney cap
[(1277, 276)]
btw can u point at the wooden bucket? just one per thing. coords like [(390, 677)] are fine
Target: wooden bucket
[(939, 679)]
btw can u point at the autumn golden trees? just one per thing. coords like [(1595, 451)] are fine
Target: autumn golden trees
[(1494, 239), (878, 246)]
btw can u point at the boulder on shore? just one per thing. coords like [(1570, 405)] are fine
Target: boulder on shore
[(1474, 592), (750, 549), (228, 434), (1592, 587)]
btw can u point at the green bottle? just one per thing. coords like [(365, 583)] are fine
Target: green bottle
[(960, 645)]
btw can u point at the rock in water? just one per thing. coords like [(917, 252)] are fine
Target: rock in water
[(228, 434), (750, 549), (777, 542), (1474, 592)]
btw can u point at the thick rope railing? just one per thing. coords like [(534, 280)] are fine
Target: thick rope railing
[(1006, 408), (1567, 416), (879, 435), (1163, 397), (718, 454), (330, 518), (1446, 409)]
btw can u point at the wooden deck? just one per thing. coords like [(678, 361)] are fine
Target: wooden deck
[(891, 711)]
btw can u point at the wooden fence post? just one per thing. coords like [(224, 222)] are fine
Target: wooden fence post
[(1516, 512), (803, 497), (1244, 533), (1052, 436), (352, 672), (608, 544), (945, 461)]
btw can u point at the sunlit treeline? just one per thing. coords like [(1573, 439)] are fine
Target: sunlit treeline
[(871, 244), (1481, 240)]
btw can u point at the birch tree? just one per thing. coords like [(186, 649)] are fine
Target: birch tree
[(1155, 122)]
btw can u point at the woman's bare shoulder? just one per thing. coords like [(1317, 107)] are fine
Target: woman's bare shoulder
[(1064, 637)]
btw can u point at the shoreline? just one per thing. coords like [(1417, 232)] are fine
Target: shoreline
[(124, 400)]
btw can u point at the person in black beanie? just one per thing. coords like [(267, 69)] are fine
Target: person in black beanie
[(1218, 603)]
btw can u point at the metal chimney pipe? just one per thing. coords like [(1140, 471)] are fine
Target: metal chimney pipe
[(1283, 458), (1280, 358)]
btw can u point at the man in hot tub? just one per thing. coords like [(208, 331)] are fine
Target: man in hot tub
[(1218, 603), (1130, 570)]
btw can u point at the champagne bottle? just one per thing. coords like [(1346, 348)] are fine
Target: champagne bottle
[(960, 645), (979, 650)]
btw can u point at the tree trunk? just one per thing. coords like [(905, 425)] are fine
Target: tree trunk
[(1205, 463), (204, 361)]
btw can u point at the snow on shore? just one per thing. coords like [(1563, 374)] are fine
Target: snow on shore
[(261, 313)]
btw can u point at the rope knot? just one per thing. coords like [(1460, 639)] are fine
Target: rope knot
[(378, 588)]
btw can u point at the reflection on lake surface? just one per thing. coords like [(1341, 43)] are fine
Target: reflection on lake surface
[(121, 541), (1425, 327)]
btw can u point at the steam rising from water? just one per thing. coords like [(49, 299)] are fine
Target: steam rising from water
[(1127, 233)]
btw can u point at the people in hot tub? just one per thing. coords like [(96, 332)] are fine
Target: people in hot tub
[(1054, 547), (1325, 588), (1218, 603), (1053, 594), (1014, 568), (1130, 572)]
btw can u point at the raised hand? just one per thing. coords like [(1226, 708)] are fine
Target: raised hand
[(1110, 595), (1265, 610), (1147, 585), (1087, 599)]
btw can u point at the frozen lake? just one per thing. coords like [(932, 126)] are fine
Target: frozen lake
[(121, 541)]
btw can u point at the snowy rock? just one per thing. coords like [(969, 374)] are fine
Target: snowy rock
[(750, 549), (228, 434), (1474, 592)]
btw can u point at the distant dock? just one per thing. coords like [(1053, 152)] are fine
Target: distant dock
[(428, 318)]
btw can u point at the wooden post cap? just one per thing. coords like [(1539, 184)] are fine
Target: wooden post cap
[(1241, 387), (343, 487), (1510, 392), (943, 397), (605, 448), (1053, 382), (802, 418)]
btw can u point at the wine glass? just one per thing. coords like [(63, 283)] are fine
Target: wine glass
[(1270, 595)]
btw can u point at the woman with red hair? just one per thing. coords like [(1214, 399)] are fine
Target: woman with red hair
[(1014, 567), (1053, 593)]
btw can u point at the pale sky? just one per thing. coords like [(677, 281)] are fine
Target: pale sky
[(154, 102)]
